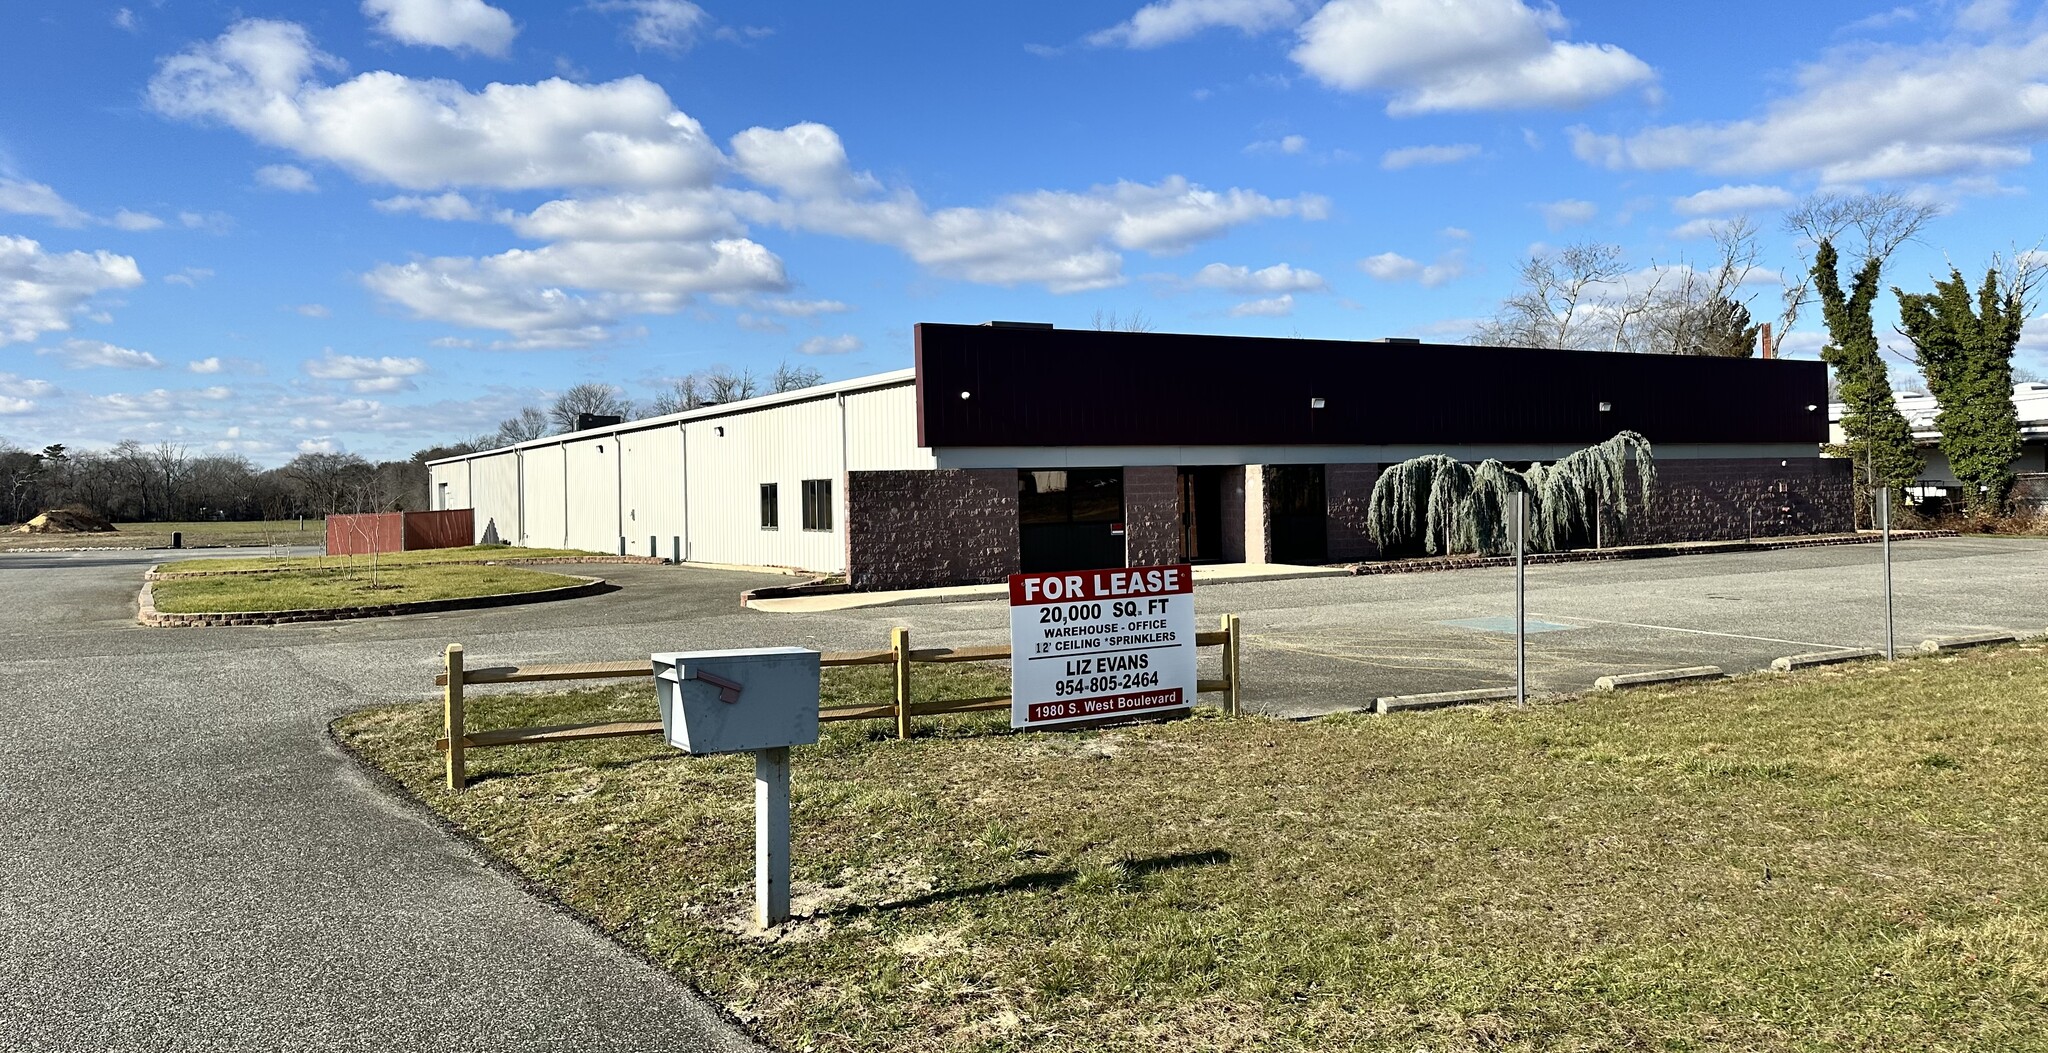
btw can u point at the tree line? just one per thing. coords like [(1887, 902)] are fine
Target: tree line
[(131, 482), (709, 387)]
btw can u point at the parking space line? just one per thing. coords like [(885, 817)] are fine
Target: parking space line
[(1706, 632)]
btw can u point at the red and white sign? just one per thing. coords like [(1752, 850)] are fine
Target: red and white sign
[(1089, 644)]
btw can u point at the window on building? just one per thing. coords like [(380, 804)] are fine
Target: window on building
[(771, 508), (817, 504)]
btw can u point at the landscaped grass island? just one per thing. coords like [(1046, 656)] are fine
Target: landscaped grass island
[(1850, 858), (302, 590), (415, 557)]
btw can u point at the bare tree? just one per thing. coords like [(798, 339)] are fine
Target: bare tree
[(1111, 322), (681, 394), (330, 482), (1683, 309), (722, 385), (168, 462), (789, 378), (600, 399), (525, 426), (1558, 303), (1881, 223)]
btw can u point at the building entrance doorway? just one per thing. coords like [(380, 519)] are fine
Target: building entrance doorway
[(1298, 517), (1070, 519), (1201, 514)]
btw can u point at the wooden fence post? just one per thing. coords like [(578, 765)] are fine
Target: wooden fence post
[(451, 718), (1233, 649), (899, 642)]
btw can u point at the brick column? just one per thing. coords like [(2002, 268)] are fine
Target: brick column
[(919, 529), (1151, 515), (1347, 497)]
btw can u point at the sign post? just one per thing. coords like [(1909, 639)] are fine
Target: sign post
[(1092, 644), (1519, 524), (1884, 522)]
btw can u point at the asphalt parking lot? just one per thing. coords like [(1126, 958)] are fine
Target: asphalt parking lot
[(189, 864), (1323, 644)]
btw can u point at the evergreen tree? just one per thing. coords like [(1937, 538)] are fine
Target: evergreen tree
[(1966, 354), (1876, 437)]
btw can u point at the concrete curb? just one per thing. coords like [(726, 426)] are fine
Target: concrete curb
[(147, 614), (1603, 555), (1440, 699), (1658, 676), (1957, 643), (1819, 658)]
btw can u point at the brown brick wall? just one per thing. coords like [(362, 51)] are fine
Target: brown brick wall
[(1347, 497), (1711, 500), (1151, 515), (917, 529)]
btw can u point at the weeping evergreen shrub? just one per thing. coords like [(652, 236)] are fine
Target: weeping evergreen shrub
[(1443, 505)]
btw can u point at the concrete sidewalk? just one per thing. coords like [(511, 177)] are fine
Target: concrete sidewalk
[(1218, 574)]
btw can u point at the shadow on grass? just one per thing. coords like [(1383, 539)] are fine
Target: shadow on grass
[(1134, 869)]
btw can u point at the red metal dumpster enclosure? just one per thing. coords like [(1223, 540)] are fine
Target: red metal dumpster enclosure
[(357, 535)]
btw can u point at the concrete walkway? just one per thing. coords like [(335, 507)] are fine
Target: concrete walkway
[(1217, 574)]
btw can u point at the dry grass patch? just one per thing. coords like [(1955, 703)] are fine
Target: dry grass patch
[(304, 590), (1854, 858)]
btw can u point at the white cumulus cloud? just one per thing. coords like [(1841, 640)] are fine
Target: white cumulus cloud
[(1946, 107), (289, 178), (1167, 21), (1277, 278), (830, 345), (1567, 213), (1394, 267), (209, 364), (658, 25), (457, 25), (449, 206), (262, 78), (41, 291), (1727, 199), (98, 354), (1271, 307), (1415, 156), (1445, 55)]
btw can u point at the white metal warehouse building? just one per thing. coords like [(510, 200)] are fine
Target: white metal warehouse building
[(699, 485)]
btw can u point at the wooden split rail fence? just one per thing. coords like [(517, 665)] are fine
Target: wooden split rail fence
[(457, 739)]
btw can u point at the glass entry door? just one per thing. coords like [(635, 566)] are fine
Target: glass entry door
[(1294, 500)]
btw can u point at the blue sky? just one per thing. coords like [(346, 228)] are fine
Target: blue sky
[(266, 228)]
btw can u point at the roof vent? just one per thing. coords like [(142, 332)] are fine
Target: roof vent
[(1400, 340), (1016, 325)]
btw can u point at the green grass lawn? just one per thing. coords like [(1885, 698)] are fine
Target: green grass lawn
[(158, 535), (469, 554), (1854, 858), (321, 589)]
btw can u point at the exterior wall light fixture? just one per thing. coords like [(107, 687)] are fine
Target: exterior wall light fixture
[(1315, 403), (1606, 407)]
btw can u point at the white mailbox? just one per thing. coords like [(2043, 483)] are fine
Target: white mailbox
[(737, 701)]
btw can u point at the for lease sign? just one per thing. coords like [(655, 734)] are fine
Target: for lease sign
[(1090, 644)]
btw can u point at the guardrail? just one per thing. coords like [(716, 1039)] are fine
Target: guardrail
[(456, 680)]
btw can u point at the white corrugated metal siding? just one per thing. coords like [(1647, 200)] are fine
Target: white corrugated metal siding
[(593, 466), (784, 445), (450, 486), (541, 498), (494, 493), (651, 489), (697, 476), (881, 431)]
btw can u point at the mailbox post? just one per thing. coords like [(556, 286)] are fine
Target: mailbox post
[(760, 700)]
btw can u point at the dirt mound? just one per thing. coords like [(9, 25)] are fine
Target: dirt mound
[(66, 521)]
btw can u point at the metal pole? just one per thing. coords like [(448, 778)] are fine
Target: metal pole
[(771, 837), (1521, 521), (1884, 514)]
